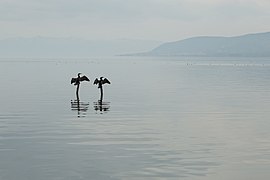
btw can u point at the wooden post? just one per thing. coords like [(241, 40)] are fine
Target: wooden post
[(101, 94), (77, 91)]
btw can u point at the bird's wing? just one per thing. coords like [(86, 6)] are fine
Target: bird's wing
[(73, 80), (84, 78), (106, 81), (96, 81)]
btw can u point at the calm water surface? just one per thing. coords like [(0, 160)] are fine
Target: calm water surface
[(162, 118)]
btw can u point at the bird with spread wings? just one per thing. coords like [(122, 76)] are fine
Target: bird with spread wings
[(100, 82), (77, 81)]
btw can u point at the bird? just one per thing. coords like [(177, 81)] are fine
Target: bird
[(77, 81), (100, 82)]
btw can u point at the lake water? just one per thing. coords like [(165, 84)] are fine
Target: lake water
[(161, 118)]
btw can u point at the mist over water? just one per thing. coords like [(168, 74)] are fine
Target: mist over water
[(161, 118)]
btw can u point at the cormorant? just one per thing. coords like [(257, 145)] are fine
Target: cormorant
[(77, 81), (100, 82)]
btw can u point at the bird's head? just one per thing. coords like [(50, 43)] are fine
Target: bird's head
[(101, 78), (79, 74)]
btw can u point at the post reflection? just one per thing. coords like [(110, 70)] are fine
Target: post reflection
[(80, 107), (101, 106)]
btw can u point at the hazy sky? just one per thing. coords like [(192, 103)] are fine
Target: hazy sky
[(164, 20)]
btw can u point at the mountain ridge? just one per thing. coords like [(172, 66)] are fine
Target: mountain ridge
[(255, 44)]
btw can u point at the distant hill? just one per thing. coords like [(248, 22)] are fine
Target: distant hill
[(70, 47), (246, 45)]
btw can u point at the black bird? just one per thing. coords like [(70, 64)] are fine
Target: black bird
[(77, 81), (100, 82)]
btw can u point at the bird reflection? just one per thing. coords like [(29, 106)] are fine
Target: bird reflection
[(79, 106), (101, 106)]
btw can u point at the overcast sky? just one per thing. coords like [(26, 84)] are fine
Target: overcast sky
[(164, 20)]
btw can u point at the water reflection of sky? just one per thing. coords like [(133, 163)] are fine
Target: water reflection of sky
[(161, 119)]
